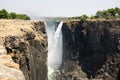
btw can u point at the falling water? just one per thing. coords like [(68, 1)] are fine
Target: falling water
[(54, 49)]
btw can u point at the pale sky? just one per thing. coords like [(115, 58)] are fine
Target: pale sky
[(61, 8)]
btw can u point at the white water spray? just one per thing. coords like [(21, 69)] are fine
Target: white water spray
[(54, 49)]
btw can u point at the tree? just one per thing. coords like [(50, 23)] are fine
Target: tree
[(105, 14), (98, 14), (25, 17), (13, 15), (92, 17), (84, 17), (117, 11), (112, 12), (3, 14), (109, 13), (22, 16)]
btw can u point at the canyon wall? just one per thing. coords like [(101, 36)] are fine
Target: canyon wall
[(91, 50), (26, 43)]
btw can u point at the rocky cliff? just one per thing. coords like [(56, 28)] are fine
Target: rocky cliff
[(91, 50), (9, 70), (26, 43)]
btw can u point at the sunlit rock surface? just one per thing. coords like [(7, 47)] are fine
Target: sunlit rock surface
[(9, 70), (26, 42)]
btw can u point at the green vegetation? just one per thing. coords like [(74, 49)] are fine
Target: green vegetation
[(5, 15), (112, 13), (83, 17)]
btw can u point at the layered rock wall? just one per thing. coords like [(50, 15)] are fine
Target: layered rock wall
[(26, 42), (91, 49)]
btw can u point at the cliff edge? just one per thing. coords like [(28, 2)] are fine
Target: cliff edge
[(26, 43), (91, 49)]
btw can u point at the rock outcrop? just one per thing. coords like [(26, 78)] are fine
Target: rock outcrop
[(9, 70), (26, 42), (91, 49)]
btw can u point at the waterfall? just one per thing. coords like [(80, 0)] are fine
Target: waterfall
[(54, 49)]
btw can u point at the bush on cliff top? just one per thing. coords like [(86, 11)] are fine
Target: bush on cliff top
[(112, 13), (5, 15), (109, 13)]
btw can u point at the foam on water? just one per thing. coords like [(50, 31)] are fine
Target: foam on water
[(54, 49)]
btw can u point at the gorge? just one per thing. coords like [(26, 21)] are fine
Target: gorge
[(91, 49)]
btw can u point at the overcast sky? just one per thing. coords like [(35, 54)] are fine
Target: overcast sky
[(38, 8)]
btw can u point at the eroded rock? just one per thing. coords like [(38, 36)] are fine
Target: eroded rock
[(9, 70), (94, 47), (27, 44)]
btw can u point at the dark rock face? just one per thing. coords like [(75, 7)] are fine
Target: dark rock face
[(91, 49), (30, 51)]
